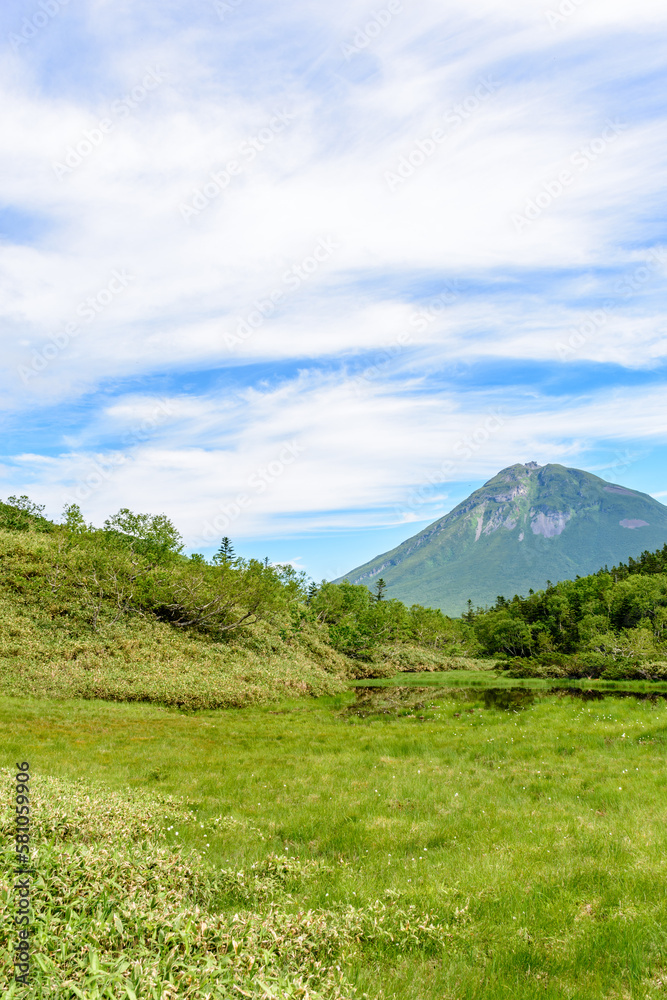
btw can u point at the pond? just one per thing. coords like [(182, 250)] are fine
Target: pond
[(416, 702)]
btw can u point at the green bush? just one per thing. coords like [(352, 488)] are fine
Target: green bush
[(582, 665)]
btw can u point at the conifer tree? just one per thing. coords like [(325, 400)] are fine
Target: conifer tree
[(225, 553)]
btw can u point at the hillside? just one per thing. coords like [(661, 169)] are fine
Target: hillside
[(118, 613), (104, 613), (527, 525)]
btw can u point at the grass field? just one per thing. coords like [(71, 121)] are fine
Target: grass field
[(395, 843)]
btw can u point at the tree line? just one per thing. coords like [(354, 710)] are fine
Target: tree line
[(614, 614)]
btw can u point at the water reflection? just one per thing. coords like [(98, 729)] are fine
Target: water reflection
[(422, 702), (508, 699), (595, 694)]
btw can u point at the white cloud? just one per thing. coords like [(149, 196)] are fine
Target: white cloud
[(343, 125), (313, 447)]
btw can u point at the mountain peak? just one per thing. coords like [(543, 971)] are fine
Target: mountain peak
[(528, 524)]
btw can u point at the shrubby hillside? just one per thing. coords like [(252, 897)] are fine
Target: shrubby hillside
[(119, 612)]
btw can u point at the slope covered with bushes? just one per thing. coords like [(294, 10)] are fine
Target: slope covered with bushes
[(119, 613)]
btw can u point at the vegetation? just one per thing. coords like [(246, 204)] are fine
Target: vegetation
[(421, 846), (359, 621), (610, 624), (514, 845), (120, 613)]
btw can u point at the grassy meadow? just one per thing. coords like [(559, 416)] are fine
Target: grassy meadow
[(403, 843), (236, 795)]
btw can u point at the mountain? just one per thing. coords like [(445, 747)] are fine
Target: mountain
[(527, 525)]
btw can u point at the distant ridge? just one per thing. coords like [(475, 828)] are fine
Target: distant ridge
[(525, 526)]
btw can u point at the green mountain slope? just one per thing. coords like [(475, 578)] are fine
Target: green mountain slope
[(527, 525)]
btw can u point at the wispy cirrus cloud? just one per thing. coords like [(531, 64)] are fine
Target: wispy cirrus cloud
[(277, 140)]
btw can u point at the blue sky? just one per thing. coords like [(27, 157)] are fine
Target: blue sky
[(308, 274)]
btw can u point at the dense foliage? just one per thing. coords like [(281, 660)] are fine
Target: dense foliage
[(613, 617), (133, 565), (359, 620)]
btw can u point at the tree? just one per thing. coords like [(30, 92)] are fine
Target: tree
[(499, 632), (293, 580), (21, 514), (219, 603), (156, 532), (429, 627), (73, 519), (380, 588), (225, 553), (25, 504)]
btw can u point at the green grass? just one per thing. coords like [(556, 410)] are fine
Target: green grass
[(486, 676), (455, 851)]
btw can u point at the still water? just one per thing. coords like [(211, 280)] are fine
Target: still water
[(410, 700)]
